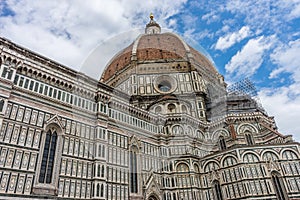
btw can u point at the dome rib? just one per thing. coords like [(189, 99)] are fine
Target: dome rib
[(162, 47)]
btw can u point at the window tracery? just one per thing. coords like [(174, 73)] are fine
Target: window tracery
[(133, 170), (217, 190), (222, 143), (46, 170), (278, 186)]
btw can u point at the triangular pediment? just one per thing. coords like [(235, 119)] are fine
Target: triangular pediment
[(134, 141), (152, 186), (55, 120)]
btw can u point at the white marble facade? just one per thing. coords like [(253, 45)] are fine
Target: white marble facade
[(153, 135)]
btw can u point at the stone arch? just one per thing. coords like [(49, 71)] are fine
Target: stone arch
[(250, 156), (134, 142), (220, 132), (171, 108), (184, 108), (52, 136), (223, 160), (246, 127), (182, 167), (268, 154), (289, 154), (211, 165), (199, 134), (188, 130), (177, 129), (153, 196), (196, 167)]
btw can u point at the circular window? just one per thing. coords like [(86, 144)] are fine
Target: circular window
[(165, 84)]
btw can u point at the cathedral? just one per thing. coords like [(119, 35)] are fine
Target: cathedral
[(160, 124)]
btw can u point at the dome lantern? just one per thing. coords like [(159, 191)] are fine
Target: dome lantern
[(152, 27)]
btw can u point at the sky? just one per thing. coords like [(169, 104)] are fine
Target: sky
[(255, 39)]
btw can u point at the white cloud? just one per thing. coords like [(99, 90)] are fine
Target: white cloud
[(286, 110), (98, 58), (211, 17), (68, 30), (295, 13), (284, 102), (232, 38), (250, 58), (270, 14), (293, 7), (288, 59)]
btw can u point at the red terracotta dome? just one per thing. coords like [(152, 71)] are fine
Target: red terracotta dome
[(155, 46)]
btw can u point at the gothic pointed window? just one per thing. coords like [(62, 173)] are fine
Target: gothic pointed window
[(98, 190), (222, 143), (217, 190), (102, 171), (174, 196), (133, 171), (101, 190), (184, 109), (48, 158), (278, 186), (249, 138)]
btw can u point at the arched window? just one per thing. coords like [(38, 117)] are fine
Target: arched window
[(196, 168), (103, 151), (168, 196), (102, 171), (217, 190), (174, 196), (171, 108), (98, 190), (171, 166), (99, 150), (98, 170), (101, 190), (1, 105), (279, 186), (133, 171), (249, 138), (222, 143), (48, 158), (184, 109)]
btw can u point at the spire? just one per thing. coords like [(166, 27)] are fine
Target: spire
[(152, 27)]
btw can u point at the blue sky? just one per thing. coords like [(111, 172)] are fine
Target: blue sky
[(258, 39)]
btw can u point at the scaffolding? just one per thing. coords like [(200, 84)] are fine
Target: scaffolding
[(243, 87)]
